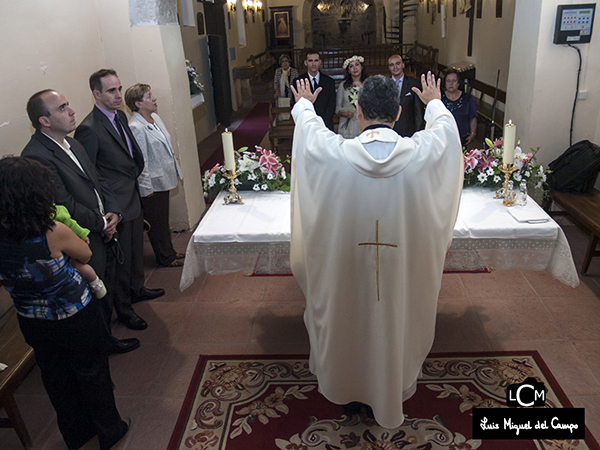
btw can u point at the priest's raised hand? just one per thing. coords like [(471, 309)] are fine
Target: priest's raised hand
[(431, 88), (303, 90)]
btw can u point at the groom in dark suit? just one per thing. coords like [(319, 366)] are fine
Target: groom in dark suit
[(412, 117), (325, 102), (111, 147), (89, 201)]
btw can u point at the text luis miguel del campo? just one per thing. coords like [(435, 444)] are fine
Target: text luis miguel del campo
[(531, 420)]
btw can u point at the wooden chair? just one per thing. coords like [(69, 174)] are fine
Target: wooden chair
[(281, 130), (19, 357)]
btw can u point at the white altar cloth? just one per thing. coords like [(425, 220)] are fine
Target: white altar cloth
[(481, 216), (242, 238), (263, 217)]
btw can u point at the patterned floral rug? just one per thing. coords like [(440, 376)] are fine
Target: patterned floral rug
[(272, 402)]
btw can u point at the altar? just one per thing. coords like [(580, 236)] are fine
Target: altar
[(255, 238)]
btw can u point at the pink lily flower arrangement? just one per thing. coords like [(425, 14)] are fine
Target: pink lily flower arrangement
[(260, 170), (269, 162), (481, 167)]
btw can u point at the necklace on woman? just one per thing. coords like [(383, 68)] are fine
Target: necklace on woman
[(455, 96)]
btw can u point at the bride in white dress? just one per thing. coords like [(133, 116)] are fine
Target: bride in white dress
[(347, 96)]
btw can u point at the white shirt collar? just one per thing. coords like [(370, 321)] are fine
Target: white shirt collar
[(65, 145)]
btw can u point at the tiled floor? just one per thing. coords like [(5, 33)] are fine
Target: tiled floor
[(233, 314)]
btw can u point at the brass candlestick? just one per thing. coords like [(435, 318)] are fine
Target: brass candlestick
[(233, 196), (507, 169)]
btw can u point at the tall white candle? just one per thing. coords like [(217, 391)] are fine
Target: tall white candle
[(227, 138), (510, 136)]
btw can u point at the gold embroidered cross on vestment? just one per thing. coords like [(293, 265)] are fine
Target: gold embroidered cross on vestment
[(377, 244), (372, 133)]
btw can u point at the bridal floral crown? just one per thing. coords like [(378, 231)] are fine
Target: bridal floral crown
[(360, 59)]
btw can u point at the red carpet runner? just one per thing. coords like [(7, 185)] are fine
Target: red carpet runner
[(255, 402), (249, 133)]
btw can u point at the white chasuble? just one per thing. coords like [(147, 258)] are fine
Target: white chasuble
[(371, 308)]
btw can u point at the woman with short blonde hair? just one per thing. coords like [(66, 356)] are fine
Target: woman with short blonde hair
[(161, 171)]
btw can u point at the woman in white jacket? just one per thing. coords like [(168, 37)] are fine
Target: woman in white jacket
[(161, 171)]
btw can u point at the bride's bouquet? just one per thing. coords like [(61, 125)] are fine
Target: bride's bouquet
[(353, 99)]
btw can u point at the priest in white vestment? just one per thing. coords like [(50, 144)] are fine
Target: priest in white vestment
[(372, 219)]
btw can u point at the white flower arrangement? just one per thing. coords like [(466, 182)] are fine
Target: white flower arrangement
[(195, 85)]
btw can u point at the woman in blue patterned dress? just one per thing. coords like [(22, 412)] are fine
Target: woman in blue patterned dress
[(462, 107), (57, 315)]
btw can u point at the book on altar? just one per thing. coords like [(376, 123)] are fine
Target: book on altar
[(530, 213)]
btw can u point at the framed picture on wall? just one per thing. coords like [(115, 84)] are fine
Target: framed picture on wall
[(282, 24)]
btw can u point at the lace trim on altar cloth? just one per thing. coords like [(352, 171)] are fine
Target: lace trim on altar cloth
[(464, 255), (237, 248), (561, 265), (527, 254)]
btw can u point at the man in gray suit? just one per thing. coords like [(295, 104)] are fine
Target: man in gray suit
[(78, 187), (111, 147), (412, 117)]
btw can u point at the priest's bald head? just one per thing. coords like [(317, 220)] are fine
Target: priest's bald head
[(378, 102)]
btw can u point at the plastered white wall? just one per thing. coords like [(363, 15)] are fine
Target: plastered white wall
[(58, 43), (52, 44), (542, 82), (491, 39)]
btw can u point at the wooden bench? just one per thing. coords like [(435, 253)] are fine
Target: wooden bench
[(261, 62), (281, 130), (584, 209), (486, 99), (19, 357)]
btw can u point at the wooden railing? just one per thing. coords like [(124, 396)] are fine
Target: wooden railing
[(261, 62), (421, 59)]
